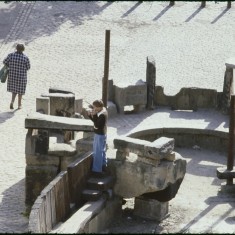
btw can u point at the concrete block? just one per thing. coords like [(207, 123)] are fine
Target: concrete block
[(111, 211), (150, 209), (230, 63), (130, 95), (62, 104), (84, 146), (112, 109), (78, 106), (43, 105), (37, 177), (42, 160)]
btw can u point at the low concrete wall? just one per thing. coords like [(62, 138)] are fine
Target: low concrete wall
[(190, 98)]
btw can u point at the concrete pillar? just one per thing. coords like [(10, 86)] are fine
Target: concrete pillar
[(150, 208), (62, 104), (78, 105), (43, 105)]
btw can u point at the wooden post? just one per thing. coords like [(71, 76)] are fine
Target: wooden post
[(203, 4), (229, 4), (172, 3), (230, 159), (106, 68)]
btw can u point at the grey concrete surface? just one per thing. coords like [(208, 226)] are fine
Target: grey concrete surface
[(65, 43)]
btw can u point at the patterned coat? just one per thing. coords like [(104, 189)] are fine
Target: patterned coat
[(18, 64)]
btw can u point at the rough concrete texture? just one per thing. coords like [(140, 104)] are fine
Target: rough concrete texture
[(134, 178), (65, 42)]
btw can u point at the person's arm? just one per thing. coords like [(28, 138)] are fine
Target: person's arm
[(91, 114), (27, 64), (6, 61), (100, 122)]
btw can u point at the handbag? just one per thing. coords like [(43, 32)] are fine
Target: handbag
[(4, 73)]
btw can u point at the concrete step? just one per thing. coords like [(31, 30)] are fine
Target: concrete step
[(91, 195), (102, 184)]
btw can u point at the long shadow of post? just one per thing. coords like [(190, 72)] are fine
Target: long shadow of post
[(194, 14), (131, 9), (220, 15), (212, 203), (162, 13)]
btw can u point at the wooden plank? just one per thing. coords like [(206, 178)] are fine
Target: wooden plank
[(34, 222), (53, 207), (34, 218), (48, 212), (58, 202), (65, 190), (78, 172), (42, 216)]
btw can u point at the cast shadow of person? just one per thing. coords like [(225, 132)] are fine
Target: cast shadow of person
[(4, 116)]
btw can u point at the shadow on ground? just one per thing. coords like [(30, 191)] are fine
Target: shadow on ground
[(12, 209)]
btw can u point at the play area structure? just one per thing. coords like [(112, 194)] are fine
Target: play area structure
[(63, 196)]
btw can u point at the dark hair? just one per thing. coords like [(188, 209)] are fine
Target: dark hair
[(20, 47), (98, 103)]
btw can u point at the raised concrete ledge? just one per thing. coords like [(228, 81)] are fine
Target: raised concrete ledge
[(42, 121), (158, 149), (57, 95), (61, 149), (183, 130), (230, 63)]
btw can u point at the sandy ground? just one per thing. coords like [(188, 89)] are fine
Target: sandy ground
[(65, 43), (199, 206)]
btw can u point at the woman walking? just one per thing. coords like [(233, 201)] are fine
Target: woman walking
[(18, 64)]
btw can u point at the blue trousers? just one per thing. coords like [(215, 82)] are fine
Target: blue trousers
[(99, 152)]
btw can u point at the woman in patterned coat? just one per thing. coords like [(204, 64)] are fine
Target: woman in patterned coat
[(18, 64)]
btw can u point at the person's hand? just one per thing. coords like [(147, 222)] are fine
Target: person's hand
[(91, 112)]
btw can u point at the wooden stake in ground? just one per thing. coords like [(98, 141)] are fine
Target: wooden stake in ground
[(106, 68)]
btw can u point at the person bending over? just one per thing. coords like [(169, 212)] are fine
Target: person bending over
[(99, 116)]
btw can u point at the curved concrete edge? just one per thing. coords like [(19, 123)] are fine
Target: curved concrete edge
[(187, 137)]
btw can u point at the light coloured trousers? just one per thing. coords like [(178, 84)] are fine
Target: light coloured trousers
[(99, 152)]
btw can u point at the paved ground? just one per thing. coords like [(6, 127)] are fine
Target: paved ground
[(65, 42)]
